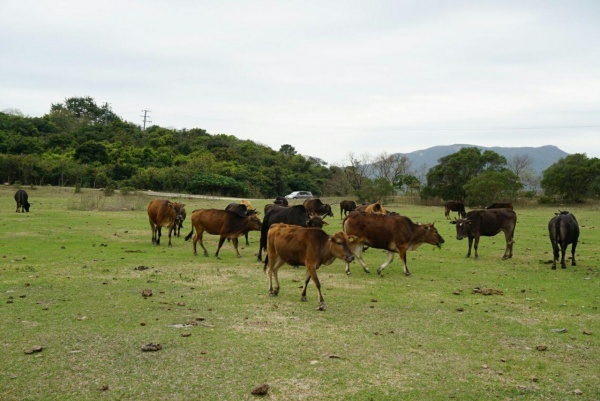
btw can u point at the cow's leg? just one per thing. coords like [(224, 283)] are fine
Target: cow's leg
[(170, 231), (247, 242), (390, 258), (311, 273), (563, 251), (221, 242), (509, 245), (158, 234), (198, 238), (235, 243), (470, 245), (357, 251), (476, 246), (573, 246), (273, 268), (555, 254)]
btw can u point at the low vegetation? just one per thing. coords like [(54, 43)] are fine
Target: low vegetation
[(91, 309)]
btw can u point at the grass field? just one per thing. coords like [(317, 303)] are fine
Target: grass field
[(72, 272)]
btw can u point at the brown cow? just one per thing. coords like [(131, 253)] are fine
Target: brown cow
[(372, 208), (180, 219), (302, 246), (223, 223), (346, 206), (315, 207), (499, 205), (393, 233), (454, 206), (163, 213), (487, 223)]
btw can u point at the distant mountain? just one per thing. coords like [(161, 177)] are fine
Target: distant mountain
[(543, 156)]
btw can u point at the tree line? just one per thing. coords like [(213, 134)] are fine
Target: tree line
[(79, 143)]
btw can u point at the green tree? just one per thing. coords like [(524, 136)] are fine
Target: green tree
[(447, 179), (573, 178), (493, 186), (288, 150)]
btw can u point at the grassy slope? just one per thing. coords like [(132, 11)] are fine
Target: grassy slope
[(69, 283)]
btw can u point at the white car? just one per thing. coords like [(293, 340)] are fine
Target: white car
[(299, 195)]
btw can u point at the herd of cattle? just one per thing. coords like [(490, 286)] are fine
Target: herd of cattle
[(293, 234)]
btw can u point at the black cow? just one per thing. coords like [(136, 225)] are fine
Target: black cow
[(487, 223), (564, 230), (280, 200), (454, 206), (241, 210), (295, 215), (500, 205), (346, 206), (22, 203)]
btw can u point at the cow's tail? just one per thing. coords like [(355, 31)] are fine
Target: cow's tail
[(266, 263), (187, 237)]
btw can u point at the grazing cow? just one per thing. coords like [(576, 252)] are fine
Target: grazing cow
[(393, 233), (564, 230), (302, 246), (346, 206), (223, 223), (243, 210), (295, 215), (22, 203), (499, 205), (316, 207), (372, 208), (487, 223), (454, 206), (281, 200), (180, 219), (163, 213)]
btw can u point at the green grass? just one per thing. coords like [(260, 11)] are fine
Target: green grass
[(71, 282)]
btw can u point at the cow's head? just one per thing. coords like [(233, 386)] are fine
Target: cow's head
[(462, 227), (432, 236), (179, 212), (316, 221), (340, 246), (254, 222)]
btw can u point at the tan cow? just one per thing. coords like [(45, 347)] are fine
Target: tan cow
[(304, 246), (163, 213)]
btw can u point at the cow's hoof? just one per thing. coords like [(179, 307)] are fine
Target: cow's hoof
[(303, 299), (553, 267), (564, 267), (322, 307), (407, 274), (368, 271), (348, 273)]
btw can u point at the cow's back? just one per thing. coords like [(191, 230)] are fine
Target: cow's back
[(161, 212), (211, 220), (378, 230), (489, 222)]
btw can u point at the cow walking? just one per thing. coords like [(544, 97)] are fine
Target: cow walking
[(22, 202), (223, 223), (487, 223), (243, 209), (393, 233), (163, 213), (564, 230), (304, 246)]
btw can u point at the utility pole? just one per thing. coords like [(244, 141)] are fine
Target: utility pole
[(106, 112), (146, 118)]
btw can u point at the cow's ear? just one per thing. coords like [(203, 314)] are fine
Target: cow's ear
[(453, 222)]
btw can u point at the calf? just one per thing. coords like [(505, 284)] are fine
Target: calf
[(223, 223), (564, 230), (163, 213), (21, 199), (487, 223), (301, 246)]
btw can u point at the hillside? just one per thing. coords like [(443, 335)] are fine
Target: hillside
[(543, 156)]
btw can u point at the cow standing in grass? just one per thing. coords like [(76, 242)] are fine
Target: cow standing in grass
[(454, 206), (304, 246), (21, 198), (163, 213), (564, 230)]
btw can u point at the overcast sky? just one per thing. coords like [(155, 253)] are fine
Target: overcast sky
[(328, 77)]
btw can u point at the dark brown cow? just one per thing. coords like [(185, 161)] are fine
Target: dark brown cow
[(223, 223), (372, 208), (180, 219), (295, 215), (487, 223), (301, 246), (454, 206), (281, 200), (346, 206), (22, 202), (163, 213), (243, 210), (393, 233), (564, 230), (315, 207), (499, 205)]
